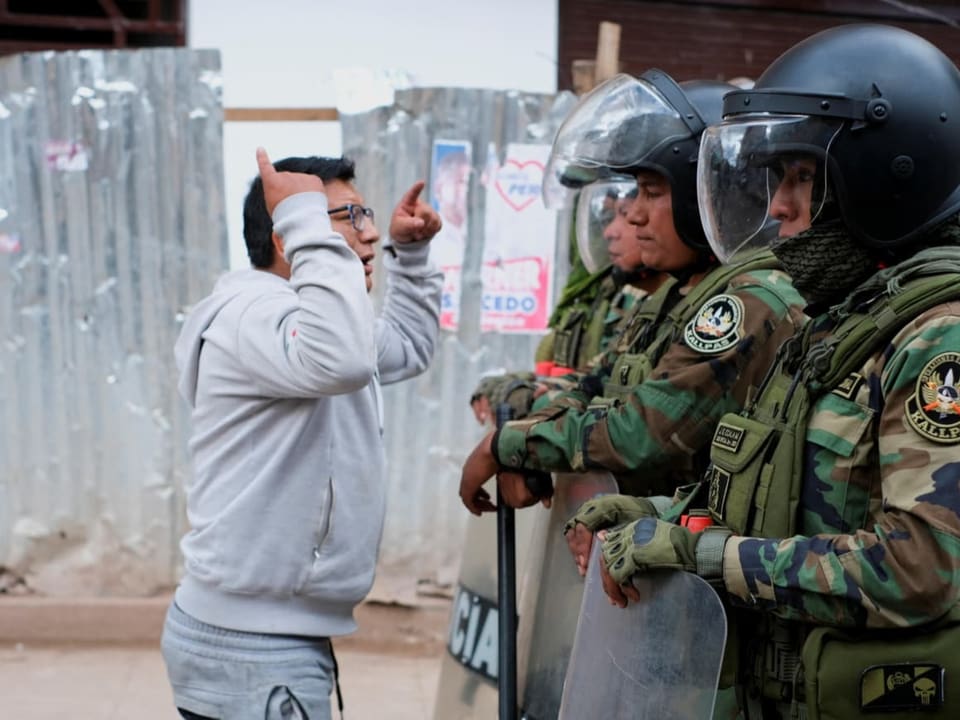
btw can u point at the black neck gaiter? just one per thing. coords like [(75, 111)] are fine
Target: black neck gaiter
[(824, 262)]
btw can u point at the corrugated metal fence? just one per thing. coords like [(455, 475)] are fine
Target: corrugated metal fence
[(111, 223), (429, 425)]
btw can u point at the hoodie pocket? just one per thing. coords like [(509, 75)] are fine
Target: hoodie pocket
[(326, 521), (343, 564), (320, 537)]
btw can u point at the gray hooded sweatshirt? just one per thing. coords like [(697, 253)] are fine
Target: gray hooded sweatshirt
[(286, 500)]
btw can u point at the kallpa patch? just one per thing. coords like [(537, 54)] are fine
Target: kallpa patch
[(716, 327), (933, 410)]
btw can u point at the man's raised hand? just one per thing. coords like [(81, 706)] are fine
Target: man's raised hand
[(278, 186), (413, 219)]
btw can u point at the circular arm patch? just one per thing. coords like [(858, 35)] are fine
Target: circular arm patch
[(717, 325), (933, 411)]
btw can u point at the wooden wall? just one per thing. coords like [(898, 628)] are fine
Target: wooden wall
[(723, 39)]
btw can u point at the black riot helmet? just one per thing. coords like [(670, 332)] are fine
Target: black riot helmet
[(628, 124), (875, 108)]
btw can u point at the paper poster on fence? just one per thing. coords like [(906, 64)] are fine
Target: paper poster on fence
[(449, 187), (519, 247)]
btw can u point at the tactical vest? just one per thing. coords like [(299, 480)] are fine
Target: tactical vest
[(579, 333), (754, 488), (658, 322)]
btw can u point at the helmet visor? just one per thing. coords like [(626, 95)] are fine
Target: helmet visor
[(601, 217), (609, 132), (762, 178)]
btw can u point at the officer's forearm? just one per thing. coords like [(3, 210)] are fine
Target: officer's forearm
[(883, 579), (514, 450)]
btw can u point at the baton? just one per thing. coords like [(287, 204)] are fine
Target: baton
[(506, 597)]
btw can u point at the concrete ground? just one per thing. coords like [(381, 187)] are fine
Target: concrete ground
[(104, 662), (116, 683)]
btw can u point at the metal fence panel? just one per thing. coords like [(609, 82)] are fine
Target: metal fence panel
[(429, 425), (111, 224)]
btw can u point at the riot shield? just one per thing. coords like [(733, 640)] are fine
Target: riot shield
[(656, 659), (551, 592), (467, 688)]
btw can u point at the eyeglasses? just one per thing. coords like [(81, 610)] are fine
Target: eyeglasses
[(358, 214)]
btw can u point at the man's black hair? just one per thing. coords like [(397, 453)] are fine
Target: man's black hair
[(257, 223)]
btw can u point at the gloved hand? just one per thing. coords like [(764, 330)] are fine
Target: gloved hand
[(649, 544), (603, 512), (515, 389)]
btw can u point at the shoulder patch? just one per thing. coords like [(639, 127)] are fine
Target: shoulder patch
[(849, 387), (933, 410), (716, 326)]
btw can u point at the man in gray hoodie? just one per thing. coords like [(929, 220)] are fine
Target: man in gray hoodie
[(282, 366)]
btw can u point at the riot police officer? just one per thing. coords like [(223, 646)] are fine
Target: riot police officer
[(648, 413), (835, 490)]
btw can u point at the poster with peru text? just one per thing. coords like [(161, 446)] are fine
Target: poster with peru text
[(518, 250)]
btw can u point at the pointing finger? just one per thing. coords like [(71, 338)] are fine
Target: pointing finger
[(263, 162), (409, 200)]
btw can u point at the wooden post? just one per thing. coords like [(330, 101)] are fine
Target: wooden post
[(608, 52), (584, 74), (587, 74)]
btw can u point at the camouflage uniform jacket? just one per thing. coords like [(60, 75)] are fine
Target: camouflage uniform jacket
[(667, 421), (879, 517), (621, 307), (573, 308), (635, 325), (517, 388), (620, 312), (585, 332)]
